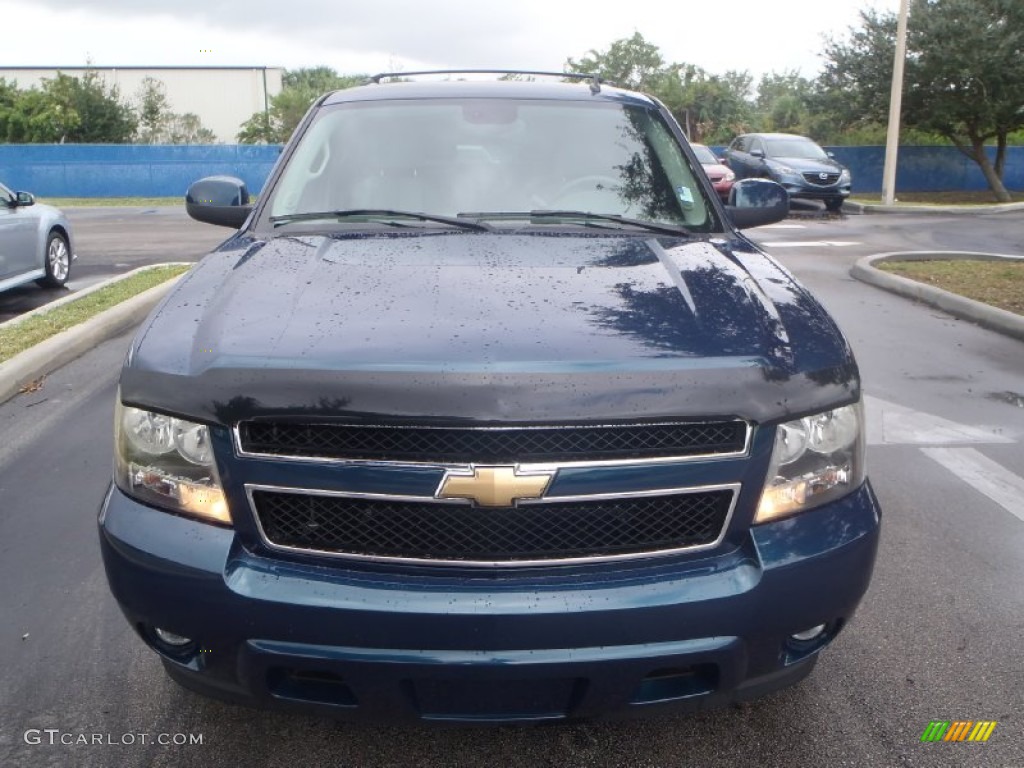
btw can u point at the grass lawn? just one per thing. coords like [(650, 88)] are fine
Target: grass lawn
[(20, 336), (961, 197), (998, 283)]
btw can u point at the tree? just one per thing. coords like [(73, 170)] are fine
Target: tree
[(783, 102), (87, 110), (964, 75), (853, 89), (630, 62), (30, 117), (187, 129), (721, 105), (159, 125), (709, 107), (154, 111), (299, 89), (968, 76)]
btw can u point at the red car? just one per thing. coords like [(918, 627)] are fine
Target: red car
[(721, 177)]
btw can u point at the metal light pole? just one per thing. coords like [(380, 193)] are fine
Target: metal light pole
[(892, 139)]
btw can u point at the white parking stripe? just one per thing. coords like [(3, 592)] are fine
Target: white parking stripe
[(892, 424), (807, 243), (984, 475)]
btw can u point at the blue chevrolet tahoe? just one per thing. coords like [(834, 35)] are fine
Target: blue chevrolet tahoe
[(487, 412)]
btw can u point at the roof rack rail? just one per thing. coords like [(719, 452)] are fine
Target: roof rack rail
[(595, 80)]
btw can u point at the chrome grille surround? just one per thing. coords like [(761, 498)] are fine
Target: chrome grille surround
[(741, 435)]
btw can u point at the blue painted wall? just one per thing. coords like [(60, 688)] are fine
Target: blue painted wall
[(927, 169), (120, 170), (924, 169)]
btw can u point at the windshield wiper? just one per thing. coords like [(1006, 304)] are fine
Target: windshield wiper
[(587, 217), (380, 213)]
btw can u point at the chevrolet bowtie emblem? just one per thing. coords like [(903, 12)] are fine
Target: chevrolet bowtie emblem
[(493, 486)]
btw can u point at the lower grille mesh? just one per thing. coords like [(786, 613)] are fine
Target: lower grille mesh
[(458, 532)]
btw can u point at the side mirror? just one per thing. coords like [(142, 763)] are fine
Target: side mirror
[(757, 153), (756, 202), (220, 200), (22, 199), (831, 154)]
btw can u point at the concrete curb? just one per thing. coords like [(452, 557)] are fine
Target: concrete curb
[(990, 317), (852, 206), (59, 350)]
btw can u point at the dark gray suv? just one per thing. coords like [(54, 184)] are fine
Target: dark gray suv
[(795, 162)]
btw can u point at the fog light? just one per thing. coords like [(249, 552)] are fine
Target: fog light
[(807, 634), (175, 640)]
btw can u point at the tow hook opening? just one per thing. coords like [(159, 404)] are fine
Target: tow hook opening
[(677, 683)]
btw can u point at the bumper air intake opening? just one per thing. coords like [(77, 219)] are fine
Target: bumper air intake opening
[(310, 685), (677, 683)]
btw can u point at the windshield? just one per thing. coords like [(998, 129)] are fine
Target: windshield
[(704, 155), (457, 156), (799, 148)]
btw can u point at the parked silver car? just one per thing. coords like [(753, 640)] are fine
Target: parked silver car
[(35, 242)]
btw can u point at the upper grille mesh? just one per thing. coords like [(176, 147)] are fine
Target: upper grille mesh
[(460, 532), (498, 445), (815, 178)]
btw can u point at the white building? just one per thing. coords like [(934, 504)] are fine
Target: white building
[(222, 97)]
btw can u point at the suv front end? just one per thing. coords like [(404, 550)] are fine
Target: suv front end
[(489, 464), (273, 611)]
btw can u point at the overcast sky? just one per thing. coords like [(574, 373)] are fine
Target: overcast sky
[(377, 35)]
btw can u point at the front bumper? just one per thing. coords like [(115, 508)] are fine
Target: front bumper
[(802, 189), (439, 644)]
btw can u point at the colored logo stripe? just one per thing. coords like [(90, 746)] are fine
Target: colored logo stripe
[(958, 730), (982, 731)]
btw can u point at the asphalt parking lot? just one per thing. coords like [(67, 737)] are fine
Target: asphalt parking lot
[(110, 241)]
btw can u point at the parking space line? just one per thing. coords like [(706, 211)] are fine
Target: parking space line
[(984, 475), (808, 243), (892, 424)]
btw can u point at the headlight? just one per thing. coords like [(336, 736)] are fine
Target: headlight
[(844, 176), (168, 462), (785, 170), (815, 459), (729, 176)]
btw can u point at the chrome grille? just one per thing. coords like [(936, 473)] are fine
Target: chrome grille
[(458, 445), (816, 178), (459, 533)]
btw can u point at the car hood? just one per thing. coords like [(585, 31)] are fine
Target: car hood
[(499, 327), (809, 165)]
